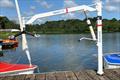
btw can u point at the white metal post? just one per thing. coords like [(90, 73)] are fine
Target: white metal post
[(99, 34)]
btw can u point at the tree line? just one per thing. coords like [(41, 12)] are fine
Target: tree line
[(64, 26)]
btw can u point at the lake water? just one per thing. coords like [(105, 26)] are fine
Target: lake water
[(63, 52)]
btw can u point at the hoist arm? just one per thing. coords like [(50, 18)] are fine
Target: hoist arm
[(61, 11)]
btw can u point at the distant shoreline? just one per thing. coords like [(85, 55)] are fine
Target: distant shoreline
[(5, 35), (71, 26)]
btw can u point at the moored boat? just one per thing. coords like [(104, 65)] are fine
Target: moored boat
[(7, 68), (112, 61), (9, 44), (16, 69)]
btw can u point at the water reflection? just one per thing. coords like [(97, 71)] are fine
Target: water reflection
[(111, 42)]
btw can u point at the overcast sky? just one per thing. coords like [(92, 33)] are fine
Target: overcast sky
[(111, 8)]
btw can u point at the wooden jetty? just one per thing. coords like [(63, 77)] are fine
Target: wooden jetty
[(68, 75)]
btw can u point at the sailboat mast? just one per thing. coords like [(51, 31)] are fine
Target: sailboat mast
[(22, 26), (19, 15)]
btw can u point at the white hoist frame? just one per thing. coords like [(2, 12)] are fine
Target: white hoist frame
[(73, 9)]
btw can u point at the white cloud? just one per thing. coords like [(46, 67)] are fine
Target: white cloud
[(110, 8), (68, 16), (40, 21), (1, 15), (31, 11), (6, 3), (69, 3), (112, 5), (32, 8), (44, 3), (117, 1)]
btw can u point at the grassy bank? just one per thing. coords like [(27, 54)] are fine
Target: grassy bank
[(5, 35)]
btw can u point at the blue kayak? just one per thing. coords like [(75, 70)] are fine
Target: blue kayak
[(113, 59)]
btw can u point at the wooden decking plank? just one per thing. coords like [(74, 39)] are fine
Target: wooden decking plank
[(60, 76), (103, 77), (18, 77), (93, 75), (40, 76), (70, 75), (30, 77), (111, 75), (82, 75), (116, 72), (50, 76), (2, 77), (6, 78)]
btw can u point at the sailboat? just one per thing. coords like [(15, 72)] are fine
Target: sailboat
[(16, 69), (7, 68)]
